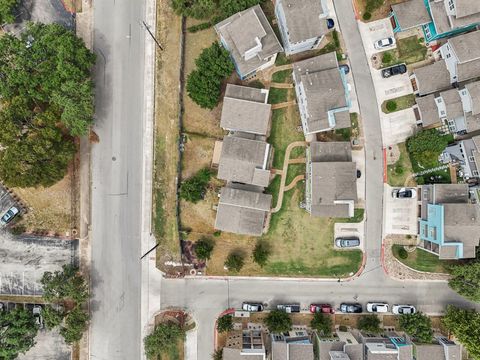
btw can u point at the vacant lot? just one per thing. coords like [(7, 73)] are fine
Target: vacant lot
[(422, 260), (166, 134)]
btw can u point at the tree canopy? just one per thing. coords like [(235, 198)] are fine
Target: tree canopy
[(193, 189), (234, 261), (6, 11), (162, 339), (204, 83), (17, 330), (466, 280), (75, 325), (225, 323), (425, 147), (322, 324), (278, 321), (369, 323), (207, 9), (465, 325), (204, 247), (418, 326), (65, 284), (261, 252)]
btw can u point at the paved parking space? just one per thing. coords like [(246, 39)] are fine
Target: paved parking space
[(358, 157), (350, 229), (397, 127), (400, 215), (374, 31), (392, 87), (24, 259), (49, 345), (6, 202)]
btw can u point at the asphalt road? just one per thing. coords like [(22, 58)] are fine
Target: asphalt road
[(115, 331)]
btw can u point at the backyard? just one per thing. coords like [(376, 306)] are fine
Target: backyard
[(422, 260), (409, 51)]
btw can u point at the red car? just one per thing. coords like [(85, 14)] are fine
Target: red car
[(324, 308)]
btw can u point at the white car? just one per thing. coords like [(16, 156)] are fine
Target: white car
[(404, 193), (252, 307), (377, 307), (384, 43), (403, 309), (9, 215)]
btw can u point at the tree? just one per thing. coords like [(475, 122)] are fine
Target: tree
[(65, 284), (17, 330), (225, 323), (466, 280), (49, 66), (204, 248), (218, 354), (230, 7), (51, 317), (193, 189), (261, 253), (198, 9), (204, 83), (425, 147), (278, 321), (322, 324), (418, 326), (162, 339), (369, 323), (464, 324), (75, 325), (6, 11), (234, 261)]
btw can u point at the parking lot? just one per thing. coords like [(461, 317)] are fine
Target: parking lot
[(346, 230), (400, 216), (6, 202), (24, 259)]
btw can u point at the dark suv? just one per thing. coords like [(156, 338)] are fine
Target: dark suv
[(394, 70)]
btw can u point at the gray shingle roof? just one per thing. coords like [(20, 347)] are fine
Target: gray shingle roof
[(462, 223), (468, 70), (453, 103), (242, 212), (474, 91), (342, 119), (239, 32), (241, 158), (428, 110), (330, 151), (246, 93), (245, 115), (466, 46), (467, 7), (291, 351), (411, 13), (473, 122), (450, 193), (303, 19), (432, 78), (439, 16)]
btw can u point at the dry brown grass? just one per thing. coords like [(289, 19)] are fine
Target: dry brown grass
[(72, 6), (197, 155), (48, 208), (380, 13), (166, 132)]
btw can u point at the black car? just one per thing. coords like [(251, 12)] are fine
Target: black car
[(345, 67), (289, 308), (394, 70), (350, 308), (330, 24)]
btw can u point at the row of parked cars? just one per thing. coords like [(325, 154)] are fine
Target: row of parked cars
[(36, 310), (347, 308)]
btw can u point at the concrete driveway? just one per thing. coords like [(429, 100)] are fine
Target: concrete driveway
[(374, 31), (400, 214), (343, 230), (397, 127)]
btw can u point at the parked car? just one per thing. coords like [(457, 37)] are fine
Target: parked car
[(377, 307), (404, 193), (252, 307), (384, 43), (403, 309), (359, 174), (347, 242), (323, 308), (394, 70), (37, 314), (345, 67), (9, 215), (289, 308), (330, 23), (351, 308)]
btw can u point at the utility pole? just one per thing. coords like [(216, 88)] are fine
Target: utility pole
[(153, 37)]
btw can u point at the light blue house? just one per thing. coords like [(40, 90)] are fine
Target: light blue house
[(302, 24), (438, 18), (449, 226)]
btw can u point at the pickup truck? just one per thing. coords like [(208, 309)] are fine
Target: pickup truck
[(289, 308)]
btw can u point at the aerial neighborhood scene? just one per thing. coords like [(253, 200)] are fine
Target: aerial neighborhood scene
[(240, 179)]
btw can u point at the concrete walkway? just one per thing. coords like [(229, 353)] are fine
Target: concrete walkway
[(284, 104), (294, 182), (284, 173)]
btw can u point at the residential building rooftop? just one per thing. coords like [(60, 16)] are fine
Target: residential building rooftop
[(474, 92), (428, 110), (432, 78), (412, 13)]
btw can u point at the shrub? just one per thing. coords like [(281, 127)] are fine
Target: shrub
[(234, 262), (418, 326), (261, 252), (322, 323), (369, 323), (225, 323), (402, 253), (163, 339), (399, 170), (193, 189), (278, 321), (204, 248), (425, 147), (367, 16), (18, 229), (218, 354), (217, 233), (391, 105), (387, 57), (199, 27)]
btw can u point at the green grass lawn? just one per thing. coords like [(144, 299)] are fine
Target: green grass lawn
[(398, 173), (422, 260), (276, 96), (282, 60), (409, 51), (403, 102), (283, 76), (358, 215)]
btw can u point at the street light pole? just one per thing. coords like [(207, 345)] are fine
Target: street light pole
[(153, 37)]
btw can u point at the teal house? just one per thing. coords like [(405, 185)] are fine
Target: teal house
[(449, 224), (438, 18)]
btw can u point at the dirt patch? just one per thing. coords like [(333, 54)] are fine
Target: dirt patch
[(197, 154), (166, 133), (49, 209)]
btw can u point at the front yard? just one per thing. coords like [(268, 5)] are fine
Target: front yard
[(398, 104), (422, 260), (409, 51), (401, 170)]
